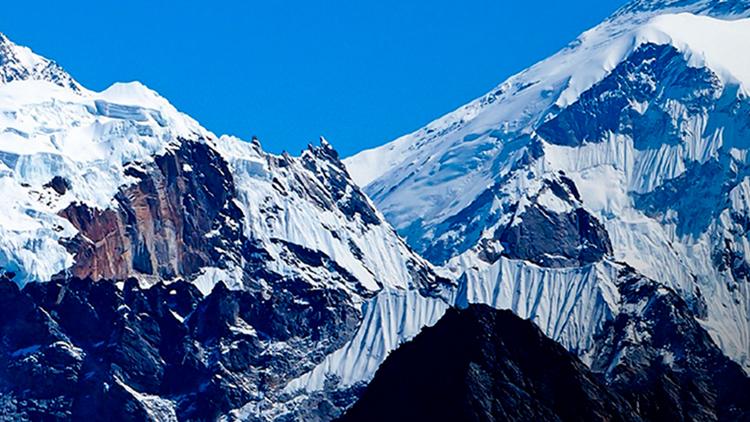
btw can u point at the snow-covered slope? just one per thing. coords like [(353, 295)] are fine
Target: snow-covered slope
[(486, 364), (647, 115)]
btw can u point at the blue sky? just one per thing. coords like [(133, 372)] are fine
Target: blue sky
[(360, 73)]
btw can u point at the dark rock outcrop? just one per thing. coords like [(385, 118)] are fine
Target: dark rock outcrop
[(656, 355), (78, 349), (481, 364), (556, 240), (550, 237), (58, 184)]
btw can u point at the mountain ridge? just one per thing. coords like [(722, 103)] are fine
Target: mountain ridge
[(20, 63), (492, 366)]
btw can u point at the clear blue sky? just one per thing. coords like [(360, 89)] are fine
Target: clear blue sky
[(359, 72)]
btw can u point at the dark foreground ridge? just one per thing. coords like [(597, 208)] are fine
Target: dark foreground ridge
[(482, 364)]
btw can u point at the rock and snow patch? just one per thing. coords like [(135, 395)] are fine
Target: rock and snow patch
[(81, 136), (157, 408)]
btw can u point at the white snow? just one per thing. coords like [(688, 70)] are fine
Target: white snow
[(553, 203), (393, 317), (707, 41), (209, 277), (569, 305), (157, 408)]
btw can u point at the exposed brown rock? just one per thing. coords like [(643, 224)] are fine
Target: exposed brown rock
[(160, 223)]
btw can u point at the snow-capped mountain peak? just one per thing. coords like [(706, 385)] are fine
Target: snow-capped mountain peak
[(20, 63), (119, 189), (630, 111)]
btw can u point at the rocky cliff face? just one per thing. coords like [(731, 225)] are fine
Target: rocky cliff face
[(552, 229), (178, 217), (657, 356)]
